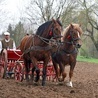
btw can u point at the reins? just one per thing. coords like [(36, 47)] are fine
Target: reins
[(39, 48)]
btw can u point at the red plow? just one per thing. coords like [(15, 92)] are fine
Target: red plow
[(15, 67)]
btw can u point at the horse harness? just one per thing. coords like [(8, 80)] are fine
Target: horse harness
[(39, 48)]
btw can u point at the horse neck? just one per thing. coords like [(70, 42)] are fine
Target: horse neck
[(39, 41), (45, 33), (43, 39), (67, 47)]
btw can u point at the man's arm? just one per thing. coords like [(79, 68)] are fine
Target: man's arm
[(14, 46), (0, 46)]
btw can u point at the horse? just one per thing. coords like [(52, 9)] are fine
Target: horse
[(67, 51), (36, 47)]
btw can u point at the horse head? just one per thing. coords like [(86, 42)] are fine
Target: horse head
[(50, 29), (73, 35), (55, 31)]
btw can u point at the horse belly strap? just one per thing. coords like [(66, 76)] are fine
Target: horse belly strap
[(39, 48)]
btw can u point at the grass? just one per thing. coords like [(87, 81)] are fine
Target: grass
[(87, 59)]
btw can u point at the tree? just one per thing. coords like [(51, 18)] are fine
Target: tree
[(43, 10), (92, 22), (19, 32), (2, 13), (83, 12), (10, 30)]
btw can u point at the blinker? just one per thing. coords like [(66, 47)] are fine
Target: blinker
[(68, 36), (50, 33)]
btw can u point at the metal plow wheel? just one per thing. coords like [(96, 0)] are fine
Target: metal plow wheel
[(19, 71)]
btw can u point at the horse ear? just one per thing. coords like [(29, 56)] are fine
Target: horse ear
[(59, 22), (79, 25), (53, 20), (71, 25), (58, 19)]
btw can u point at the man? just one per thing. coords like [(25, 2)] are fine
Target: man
[(6, 43)]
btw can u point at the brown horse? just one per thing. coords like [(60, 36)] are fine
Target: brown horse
[(67, 52), (36, 47)]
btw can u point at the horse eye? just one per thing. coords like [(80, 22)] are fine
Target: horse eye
[(74, 36), (56, 29)]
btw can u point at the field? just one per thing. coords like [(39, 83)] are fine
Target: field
[(85, 82)]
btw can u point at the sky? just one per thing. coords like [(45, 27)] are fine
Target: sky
[(11, 11)]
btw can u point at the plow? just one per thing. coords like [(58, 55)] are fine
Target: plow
[(14, 67)]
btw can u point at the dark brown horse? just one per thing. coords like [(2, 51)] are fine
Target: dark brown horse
[(67, 52), (37, 48)]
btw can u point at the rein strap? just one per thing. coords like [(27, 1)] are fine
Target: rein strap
[(38, 48)]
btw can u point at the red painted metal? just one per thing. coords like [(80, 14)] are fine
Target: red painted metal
[(16, 66), (14, 54)]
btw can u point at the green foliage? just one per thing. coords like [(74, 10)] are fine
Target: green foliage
[(70, 11), (17, 33), (10, 30), (87, 59)]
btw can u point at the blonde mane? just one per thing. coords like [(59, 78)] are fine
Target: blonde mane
[(76, 27)]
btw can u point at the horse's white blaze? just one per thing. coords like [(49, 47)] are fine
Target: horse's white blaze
[(78, 35)]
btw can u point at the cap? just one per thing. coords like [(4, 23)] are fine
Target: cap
[(6, 33)]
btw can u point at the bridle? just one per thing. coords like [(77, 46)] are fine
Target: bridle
[(52, 36), (71, 40), (52, 33)]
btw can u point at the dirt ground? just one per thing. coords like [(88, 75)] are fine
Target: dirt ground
[(85, 82)]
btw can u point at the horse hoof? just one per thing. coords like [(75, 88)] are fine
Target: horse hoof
[(69, 84), (60, 80), (36, 83), (61, 83), (43, 83), (72, 91), (27, 80), (36, 79)]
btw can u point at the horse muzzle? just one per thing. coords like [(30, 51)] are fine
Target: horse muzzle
[(78, 45)]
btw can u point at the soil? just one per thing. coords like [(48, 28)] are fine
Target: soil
[(85, 85)]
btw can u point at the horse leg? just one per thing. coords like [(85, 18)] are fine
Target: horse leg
[(33, 69), (44, 73), (57, 70), (37, 74), (26, 69), (29, 70), (36, 69), (64, 75), (71, 75), (62, 72)]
